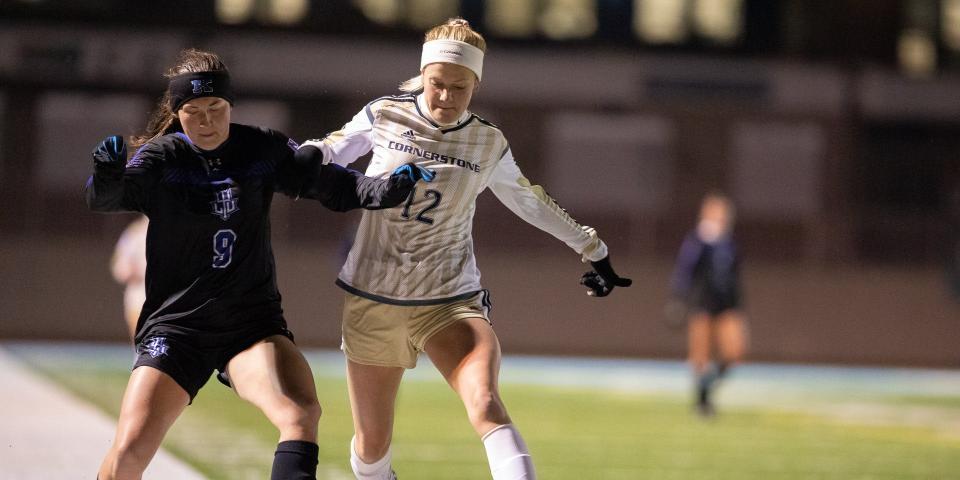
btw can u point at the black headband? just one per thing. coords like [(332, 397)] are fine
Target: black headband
[(187, 86)]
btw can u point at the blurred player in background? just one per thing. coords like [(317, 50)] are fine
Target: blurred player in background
[(706, 292), (411, 278), (212, 299), (129, 267)]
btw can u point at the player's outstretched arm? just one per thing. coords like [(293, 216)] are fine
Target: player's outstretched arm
[(531, 203), (341, 189), (104, 189)]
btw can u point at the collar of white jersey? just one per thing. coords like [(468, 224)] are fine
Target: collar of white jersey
[(425, 111)]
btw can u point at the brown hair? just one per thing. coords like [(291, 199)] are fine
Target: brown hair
[(163, 119), (453, 29)]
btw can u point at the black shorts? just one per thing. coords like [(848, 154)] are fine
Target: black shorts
[(190, 356), (716, 309), (714, 303)]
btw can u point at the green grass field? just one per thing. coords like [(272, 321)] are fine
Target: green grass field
[(849, 431)]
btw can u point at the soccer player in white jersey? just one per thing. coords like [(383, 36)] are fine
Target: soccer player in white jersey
[(411, 278)]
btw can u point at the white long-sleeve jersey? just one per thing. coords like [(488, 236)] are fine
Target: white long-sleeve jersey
[(422, 252)]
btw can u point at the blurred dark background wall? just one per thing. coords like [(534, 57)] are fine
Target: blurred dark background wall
[(836, 128)]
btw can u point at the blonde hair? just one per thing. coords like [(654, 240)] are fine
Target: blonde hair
[(454, 29)]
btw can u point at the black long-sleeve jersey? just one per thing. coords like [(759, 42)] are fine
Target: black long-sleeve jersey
[(707, 275), (209, 257)]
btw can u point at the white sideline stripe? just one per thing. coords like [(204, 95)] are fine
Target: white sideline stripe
[(48, 433)]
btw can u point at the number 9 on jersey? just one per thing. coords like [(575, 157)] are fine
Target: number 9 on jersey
[(223, 242)]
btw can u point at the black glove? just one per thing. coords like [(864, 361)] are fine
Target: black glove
[(414, 172), (110, 156), (602, 279), (300, 178), (401, 183), (397, 188)]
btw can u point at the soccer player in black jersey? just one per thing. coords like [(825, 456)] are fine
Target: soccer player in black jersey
[(706, 292), (212, 300)]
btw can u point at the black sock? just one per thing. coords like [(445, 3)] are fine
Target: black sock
[(705, 385), (703, 393), (295, 460), (722, 368), (706, 380)]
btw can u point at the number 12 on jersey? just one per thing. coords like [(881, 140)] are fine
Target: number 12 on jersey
[(223, 242), (422, 215)]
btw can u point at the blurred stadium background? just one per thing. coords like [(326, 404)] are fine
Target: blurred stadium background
[(834, 125)]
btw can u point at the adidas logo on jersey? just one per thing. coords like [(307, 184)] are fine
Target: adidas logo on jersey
[(409, 135)]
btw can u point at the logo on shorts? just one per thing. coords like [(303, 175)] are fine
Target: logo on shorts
[(408, 135), (156, 347)]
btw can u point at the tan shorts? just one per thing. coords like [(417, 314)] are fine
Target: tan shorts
[(376, 333)]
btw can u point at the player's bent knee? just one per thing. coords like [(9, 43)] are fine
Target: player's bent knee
[(485, 408), (298, 416), (310, 413)]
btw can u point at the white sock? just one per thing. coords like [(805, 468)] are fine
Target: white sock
[(508, 455), (379, 470)]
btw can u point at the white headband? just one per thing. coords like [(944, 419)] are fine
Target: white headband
[(452, 51)]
